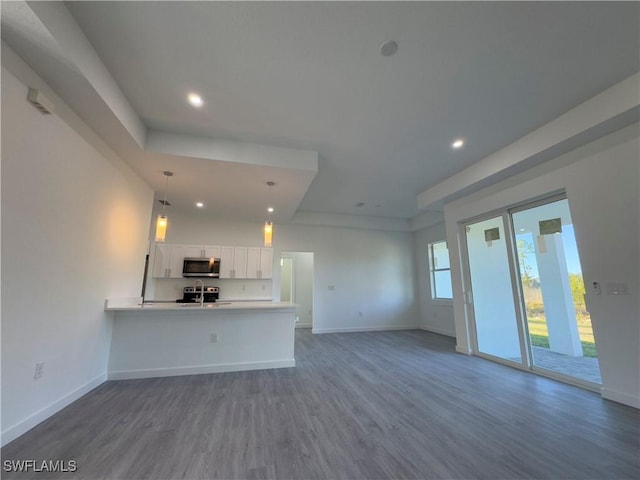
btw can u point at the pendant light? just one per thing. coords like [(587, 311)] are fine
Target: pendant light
[(162, 221), (268, 225)]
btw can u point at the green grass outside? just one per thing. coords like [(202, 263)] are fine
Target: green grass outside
[(540, 336), (537, 322)]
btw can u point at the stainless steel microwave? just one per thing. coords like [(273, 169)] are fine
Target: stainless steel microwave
[(201, 267)]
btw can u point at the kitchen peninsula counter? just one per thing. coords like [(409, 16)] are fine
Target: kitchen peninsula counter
[(158, 339), (222, 305)]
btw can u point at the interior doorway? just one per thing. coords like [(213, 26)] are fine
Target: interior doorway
[(296, 285), (524, 292)]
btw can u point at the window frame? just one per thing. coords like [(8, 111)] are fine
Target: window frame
[(432, 273)]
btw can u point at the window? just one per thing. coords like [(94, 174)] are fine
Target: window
[(440, 271)]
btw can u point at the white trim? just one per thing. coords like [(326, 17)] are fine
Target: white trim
[(620, 397), (365, 329), (304, 325), (199, 369), (437, 330), (464, 349), (41, 415)]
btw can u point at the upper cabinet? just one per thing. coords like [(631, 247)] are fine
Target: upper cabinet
[(211, 251), (168, 260), (240, 262), (235, 262), (193, 251), (226, 262), (259, 262), (202, 251), (266, 263)]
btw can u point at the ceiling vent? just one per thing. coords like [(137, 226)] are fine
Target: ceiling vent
[(38, 100)]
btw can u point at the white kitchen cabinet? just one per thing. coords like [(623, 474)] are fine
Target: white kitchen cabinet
[(253, 262), (226, 262), (167, 260), (161, 256), (266, 263), (202, 251), (211, 251), (240, 262), (259, 262), (193, 251), (233, 262)]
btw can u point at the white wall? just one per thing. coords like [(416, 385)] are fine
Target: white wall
[(286, 279), (371, 271), (74, 231), (435, 315), (363, 279), (601, 181)]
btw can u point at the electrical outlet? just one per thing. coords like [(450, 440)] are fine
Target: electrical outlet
[(359, 314), (39, 370), (213, 338)]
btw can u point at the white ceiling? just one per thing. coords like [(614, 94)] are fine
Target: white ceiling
[(308, 77)]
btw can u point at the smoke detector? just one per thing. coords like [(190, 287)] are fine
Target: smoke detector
[(388, 48), (38, 100)]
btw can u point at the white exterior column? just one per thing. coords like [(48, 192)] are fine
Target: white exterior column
[(556, 295)]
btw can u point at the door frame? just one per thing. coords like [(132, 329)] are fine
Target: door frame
[(526, 353)]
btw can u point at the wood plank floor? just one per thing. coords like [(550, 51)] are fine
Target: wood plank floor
[(358, 405)]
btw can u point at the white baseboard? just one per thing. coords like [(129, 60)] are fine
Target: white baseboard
[(41, 415), (199, 369), (620, 397), (437, 330), (304, 325), (364, 329)]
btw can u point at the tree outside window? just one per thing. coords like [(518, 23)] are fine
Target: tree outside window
[(440, 271)]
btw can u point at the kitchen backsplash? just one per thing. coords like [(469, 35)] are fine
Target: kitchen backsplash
[(230, 289)]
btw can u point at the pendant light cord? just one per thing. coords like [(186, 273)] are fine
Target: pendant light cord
[(167, 174)]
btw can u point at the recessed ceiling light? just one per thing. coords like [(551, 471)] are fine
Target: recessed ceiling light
[(457, 143), (199, 204), (388, 48), (195, 100), (270, 209)]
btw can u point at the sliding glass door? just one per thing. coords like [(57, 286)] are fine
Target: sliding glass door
[(525, 294), (490, 293), (558, 324)]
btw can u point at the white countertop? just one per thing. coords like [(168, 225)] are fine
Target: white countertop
[(173, 306)]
